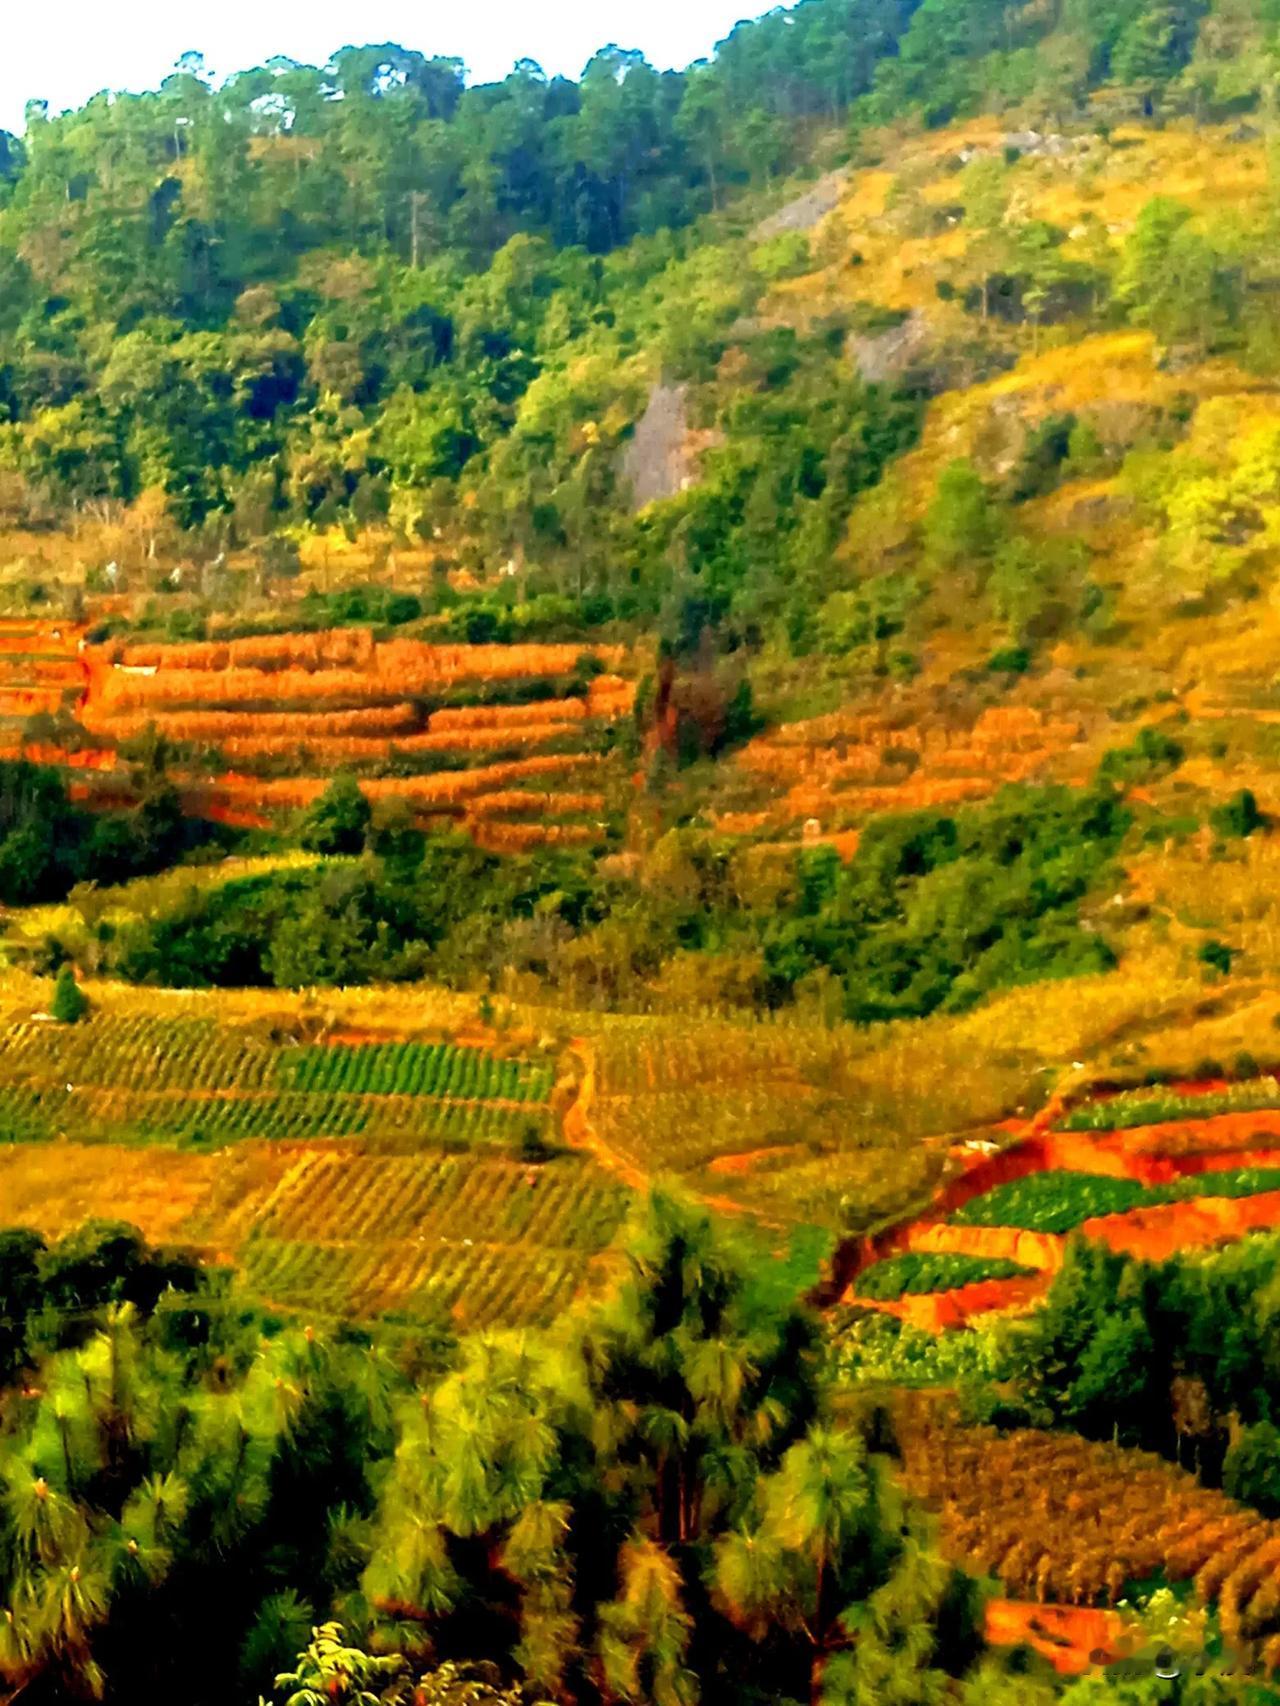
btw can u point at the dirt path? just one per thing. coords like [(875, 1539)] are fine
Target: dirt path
[(576, 1123), (580, 1134)]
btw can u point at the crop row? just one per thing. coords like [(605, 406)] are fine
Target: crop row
[(344, 749), (163, 1054), (287, 673), (117, 1114), (479, 1286), (916, 1272), (437, 791), (214, 727), (1154, 1107), (506, 801), (1056, 1517), (414, 1069), (335, 1194), (331, 648), (1060, 1201)]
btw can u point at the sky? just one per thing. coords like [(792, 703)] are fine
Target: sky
[(63, 51)]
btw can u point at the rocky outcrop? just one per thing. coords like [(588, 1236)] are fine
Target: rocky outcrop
[(804, 212), (881, 356), (662, 456)]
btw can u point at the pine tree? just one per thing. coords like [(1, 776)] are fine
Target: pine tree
[(70, 1003)]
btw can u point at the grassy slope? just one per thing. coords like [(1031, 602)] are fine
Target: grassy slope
[(801, 1122)]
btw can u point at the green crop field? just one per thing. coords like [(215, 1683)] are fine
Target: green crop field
[(1061, 1201), (1154, 1106), (917, 1272)]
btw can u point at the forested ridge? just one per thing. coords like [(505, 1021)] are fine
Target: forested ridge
[(311, 295)]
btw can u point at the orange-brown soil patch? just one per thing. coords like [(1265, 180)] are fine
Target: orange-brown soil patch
[(1066, 1635), (1160, 1232), (936, 1311), (737, 1166)]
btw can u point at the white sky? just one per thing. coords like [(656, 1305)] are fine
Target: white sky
[(63, 51)]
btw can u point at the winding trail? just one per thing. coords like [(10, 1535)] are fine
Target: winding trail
[(580, 1133)]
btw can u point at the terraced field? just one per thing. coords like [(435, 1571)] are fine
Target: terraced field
[(835, 771), (1056, 1517), (420, 1175), (1201, 1168), (502, 739), (41, 669)]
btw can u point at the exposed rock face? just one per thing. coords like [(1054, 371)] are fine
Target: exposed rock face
[(880, 356), (655, 461), (664, 454), (1037, 145), (806, 210)]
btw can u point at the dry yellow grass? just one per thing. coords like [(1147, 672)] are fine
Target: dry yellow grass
[(53, 1187)]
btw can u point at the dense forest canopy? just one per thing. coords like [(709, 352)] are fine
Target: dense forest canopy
[(366, 290)]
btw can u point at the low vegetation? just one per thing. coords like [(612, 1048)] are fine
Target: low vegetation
[(1153, 1106), (917, 1272), (1060, 1201)]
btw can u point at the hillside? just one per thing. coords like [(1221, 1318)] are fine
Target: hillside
[(639, 805)]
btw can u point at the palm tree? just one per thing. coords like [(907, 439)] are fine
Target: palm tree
[(644, 1632), (835, 1560), (695, 1380)]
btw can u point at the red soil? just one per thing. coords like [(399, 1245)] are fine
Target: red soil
[(1066, 1635), (935, 1311), (1192, 1136), (1160, 1232)]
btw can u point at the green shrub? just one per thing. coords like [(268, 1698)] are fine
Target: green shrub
[(338, 822), (70, 1003), (1251, 1471), (1152, 755), (1216, 955), (1237, 817), (1009, 660)]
